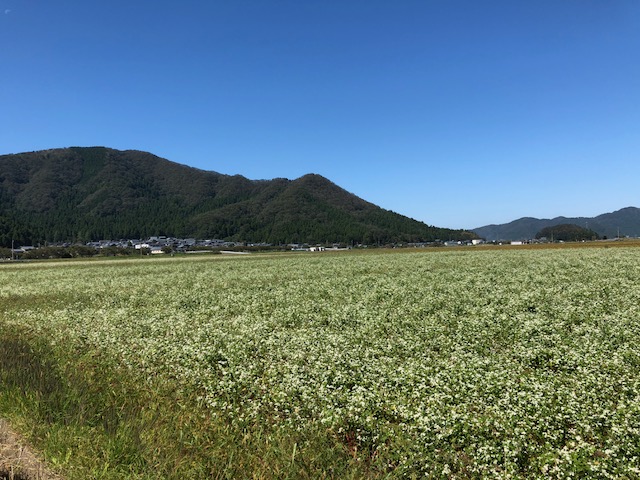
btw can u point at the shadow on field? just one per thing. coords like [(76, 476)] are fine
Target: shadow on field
[(23, 371), (63, 403), (8, 475), (90, 416), (33, 373)]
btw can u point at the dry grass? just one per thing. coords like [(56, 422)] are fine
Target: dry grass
[(17, 460)]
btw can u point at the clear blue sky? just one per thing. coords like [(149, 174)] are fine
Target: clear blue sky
[(456, 113)]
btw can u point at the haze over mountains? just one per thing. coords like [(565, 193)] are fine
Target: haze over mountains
[(93, 193), (623, 222)]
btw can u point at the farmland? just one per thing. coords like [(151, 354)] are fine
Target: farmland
[(464, 363)]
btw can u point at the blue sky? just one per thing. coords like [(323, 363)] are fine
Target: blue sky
[(456, 113)]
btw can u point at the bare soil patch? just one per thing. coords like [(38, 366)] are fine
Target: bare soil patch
[(18, 461)]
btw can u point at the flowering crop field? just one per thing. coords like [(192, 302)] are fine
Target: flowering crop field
[(461, 363)]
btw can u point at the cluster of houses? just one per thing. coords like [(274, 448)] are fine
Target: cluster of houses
[(162, 244), (455, 243), (154, 245)]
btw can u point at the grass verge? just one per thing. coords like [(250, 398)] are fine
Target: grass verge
[(90, 419)]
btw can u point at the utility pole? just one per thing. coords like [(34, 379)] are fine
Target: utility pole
[(12, 252)]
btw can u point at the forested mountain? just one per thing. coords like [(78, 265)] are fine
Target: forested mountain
[(624, 222), (91, 193)]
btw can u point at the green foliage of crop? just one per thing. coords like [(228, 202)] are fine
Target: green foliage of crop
[(445, 364)]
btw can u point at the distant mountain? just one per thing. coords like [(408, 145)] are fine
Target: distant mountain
[(626, 222), (81, 194)]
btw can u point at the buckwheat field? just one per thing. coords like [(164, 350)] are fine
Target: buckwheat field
[(461, 363)]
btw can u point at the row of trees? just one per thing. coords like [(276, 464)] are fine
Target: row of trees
[(72, 251)]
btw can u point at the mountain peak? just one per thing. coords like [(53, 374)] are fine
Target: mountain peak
[(92, 193)]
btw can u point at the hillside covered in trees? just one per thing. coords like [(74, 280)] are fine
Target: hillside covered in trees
[(567, 232), (91, 193)]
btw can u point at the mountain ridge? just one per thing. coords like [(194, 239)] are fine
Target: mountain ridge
[(92, 193), (622, 222)]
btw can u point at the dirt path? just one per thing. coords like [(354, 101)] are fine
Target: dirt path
[(17, 460)]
